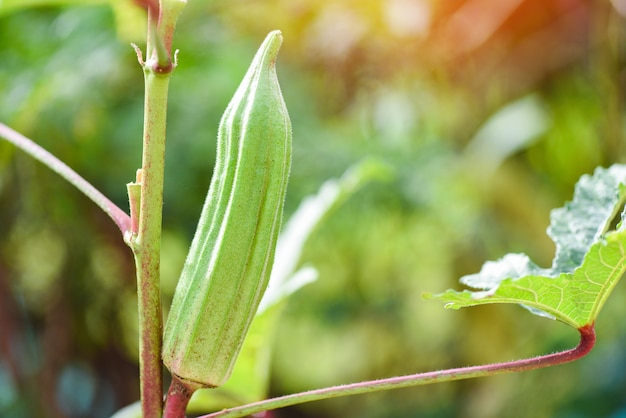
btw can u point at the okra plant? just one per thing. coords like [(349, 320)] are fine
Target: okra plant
[(240, 264)]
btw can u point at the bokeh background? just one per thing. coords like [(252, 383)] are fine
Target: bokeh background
[(487, 112)]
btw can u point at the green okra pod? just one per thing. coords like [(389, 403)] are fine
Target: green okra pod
[(230, 259)]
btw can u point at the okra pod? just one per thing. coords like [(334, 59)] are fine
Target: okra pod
[(230, 259)]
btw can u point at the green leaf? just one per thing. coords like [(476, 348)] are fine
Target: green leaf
[(588, 263), (309, 215)]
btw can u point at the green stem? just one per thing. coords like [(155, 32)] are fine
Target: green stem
[(587, 341), (145, 239), (146, 244), (121, 219)]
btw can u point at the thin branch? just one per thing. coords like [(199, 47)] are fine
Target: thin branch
[(121, 219), (587, 341)]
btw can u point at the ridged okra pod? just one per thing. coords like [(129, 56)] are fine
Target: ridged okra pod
[(230, 259)]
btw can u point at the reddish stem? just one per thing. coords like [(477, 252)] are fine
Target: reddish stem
[(121, 219), (587, 341), (177, 399)]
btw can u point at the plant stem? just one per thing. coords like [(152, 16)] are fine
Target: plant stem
[(121, 219), (145, 239), (146, 244), (177, 399), (587, 341)]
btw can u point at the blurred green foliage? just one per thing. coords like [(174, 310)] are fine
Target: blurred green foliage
[(412, 82)]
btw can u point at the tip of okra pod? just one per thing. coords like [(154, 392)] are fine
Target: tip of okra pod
[(275, 34), (272, 44)]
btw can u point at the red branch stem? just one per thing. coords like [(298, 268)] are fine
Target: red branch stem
[(587, 341), (177, 399), (121, 219)]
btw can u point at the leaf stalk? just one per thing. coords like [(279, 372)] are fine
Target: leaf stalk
[(587, 341), (121, 219)]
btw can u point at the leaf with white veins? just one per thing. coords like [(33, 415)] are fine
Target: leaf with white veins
[(589, 259)]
